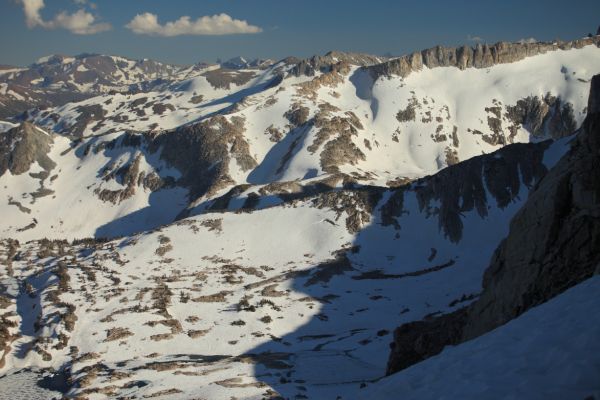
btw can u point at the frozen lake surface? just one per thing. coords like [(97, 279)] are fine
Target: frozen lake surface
[(28, 385)]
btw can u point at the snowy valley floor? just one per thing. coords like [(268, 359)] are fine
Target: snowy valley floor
[(550, 352)]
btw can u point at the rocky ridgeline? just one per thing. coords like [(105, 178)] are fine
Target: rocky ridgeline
[(552, 245), (489, 180), (99, 72), (480, 56)]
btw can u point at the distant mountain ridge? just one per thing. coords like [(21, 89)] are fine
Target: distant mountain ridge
[(240, 62), (57, 79)]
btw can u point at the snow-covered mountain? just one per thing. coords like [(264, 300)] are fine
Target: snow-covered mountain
[(262, 232), (55, 80), (244, 134)]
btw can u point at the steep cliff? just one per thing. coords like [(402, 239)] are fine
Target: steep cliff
[(553, 244)]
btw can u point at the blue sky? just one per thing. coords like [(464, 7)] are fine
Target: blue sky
[(278, 28)]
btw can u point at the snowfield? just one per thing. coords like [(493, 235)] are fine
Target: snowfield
[(550, 352)]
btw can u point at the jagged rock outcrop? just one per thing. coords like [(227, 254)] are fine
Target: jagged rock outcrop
[(553, 244), (128, 176), (22, 146), (544, 117), (480, 56)]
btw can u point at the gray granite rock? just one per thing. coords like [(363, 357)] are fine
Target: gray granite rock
[(481, 56)]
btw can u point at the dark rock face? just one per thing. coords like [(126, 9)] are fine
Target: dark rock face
[(481, 56), (202, 152), (461, 188), (297, 116), (22, 146), (553, 244), (224, 78), (408, 114), (419, 340)]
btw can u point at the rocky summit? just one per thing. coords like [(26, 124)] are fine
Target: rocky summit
[(340, 226)]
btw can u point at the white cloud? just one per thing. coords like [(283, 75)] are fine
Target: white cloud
[(80, 22), (527, 40), (474, 38), (221, 24), (32, 10), (85, 3)]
